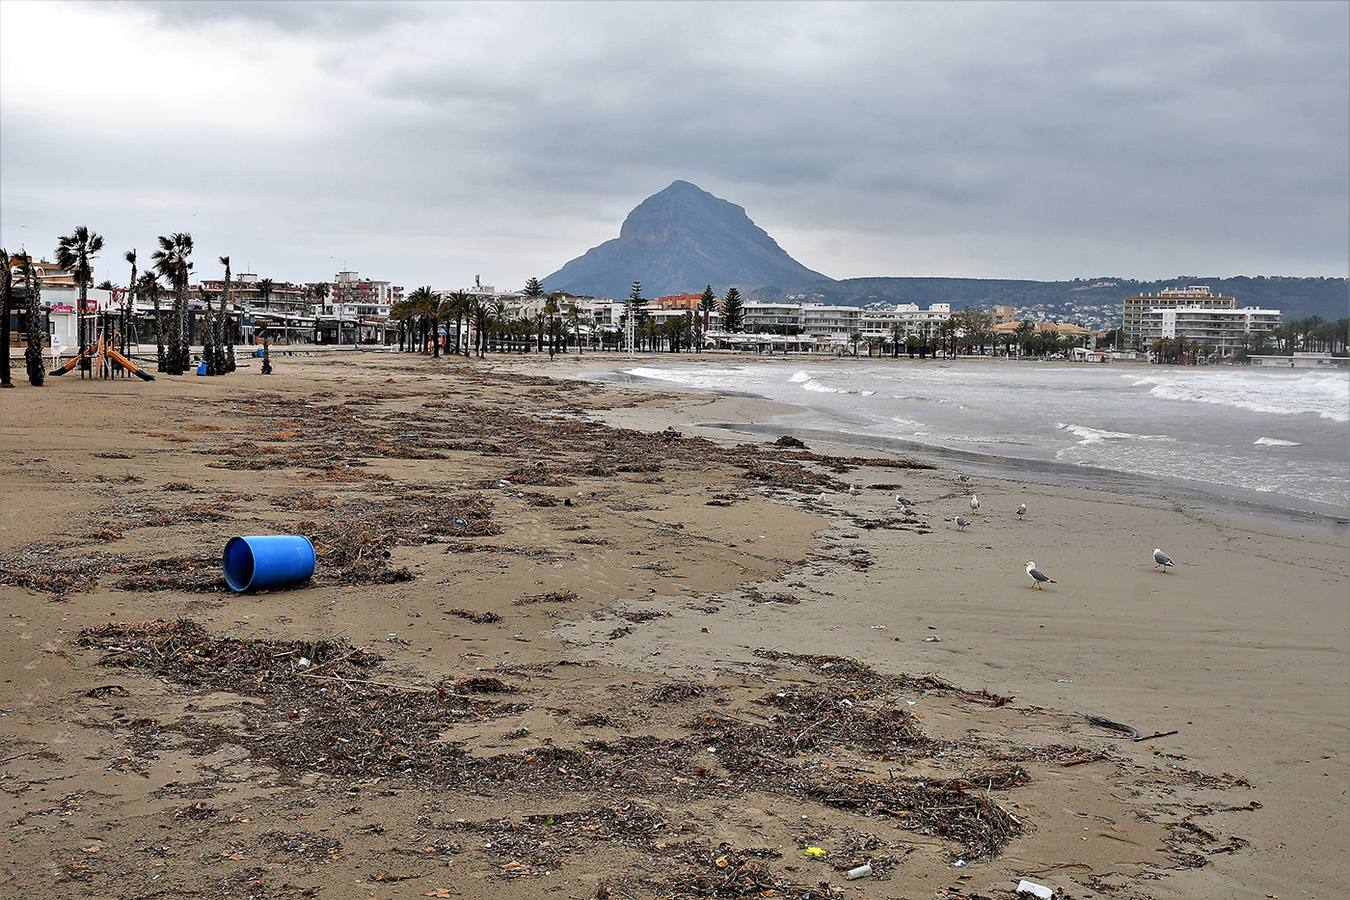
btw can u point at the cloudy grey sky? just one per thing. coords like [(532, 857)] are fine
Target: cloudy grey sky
[(432, 142)]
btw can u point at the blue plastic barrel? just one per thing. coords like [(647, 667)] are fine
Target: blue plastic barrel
[(259, 354), (267, 560), (201, 367)]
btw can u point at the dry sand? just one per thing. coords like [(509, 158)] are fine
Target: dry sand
[(658, 735)]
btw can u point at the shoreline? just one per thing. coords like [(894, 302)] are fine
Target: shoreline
[(645, 597), (1159, 487)]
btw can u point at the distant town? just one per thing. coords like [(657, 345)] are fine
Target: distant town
[(1182, 324)]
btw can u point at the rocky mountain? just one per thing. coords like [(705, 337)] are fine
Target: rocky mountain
[(679, 240)]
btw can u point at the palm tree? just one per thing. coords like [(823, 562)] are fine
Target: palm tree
[(1025, 329), (265, 291), (463, 310), (73, 253), (551, 311), (400, 313), (445, 313), (173, 265), (33, 287), (6, 285), (127, 309), (148, 286), (482, 321), (897, 335), (425, 306)]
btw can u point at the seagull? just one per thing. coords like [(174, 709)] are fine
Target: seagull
[(1162, 559), (961, 521), (900, 502), (853, 489), (1037, 576), (1022, 511), (963, 478), (974, 502)]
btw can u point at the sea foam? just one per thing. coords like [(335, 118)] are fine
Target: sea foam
[(1326, 394)]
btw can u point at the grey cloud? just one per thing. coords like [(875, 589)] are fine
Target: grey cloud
[(288, 15), (1034, 140)]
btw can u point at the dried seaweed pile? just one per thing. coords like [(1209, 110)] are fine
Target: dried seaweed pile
[(45, 569), (355, 538), (335, 437), (726, 872), (541, 841), (864, 677), (323, 712), (183, 652), (325, 707)]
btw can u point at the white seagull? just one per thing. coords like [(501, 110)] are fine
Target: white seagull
[(960, 521), (900, 502), (1021, 510), (1162, 559), (853, 489), (1038, 577), (974, 503)]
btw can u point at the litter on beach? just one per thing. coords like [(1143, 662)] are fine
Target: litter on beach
[(1034, 889)]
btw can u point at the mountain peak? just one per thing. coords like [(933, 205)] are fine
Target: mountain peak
[(680, 239)]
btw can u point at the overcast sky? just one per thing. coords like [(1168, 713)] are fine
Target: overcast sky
[(427, 143)]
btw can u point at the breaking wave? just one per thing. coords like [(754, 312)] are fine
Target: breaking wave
[(1326, 394), (1275, 442), (1101, 436)]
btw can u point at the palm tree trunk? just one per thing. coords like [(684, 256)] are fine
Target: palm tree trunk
[(160, 363), (5, 292), (33, 353)]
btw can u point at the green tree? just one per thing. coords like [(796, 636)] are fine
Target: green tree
[(637, 308), (73, 253), (265, 288), (733, 310), (707, 305), (173, 263)]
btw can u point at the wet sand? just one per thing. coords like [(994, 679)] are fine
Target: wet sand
[(610, 608)]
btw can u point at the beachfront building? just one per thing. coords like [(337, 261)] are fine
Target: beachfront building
[(1221, 331), (356, 310), (799, 326), (1136, 306), (1300, 360)]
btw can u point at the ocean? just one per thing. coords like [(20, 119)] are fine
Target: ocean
[(1278, 439)]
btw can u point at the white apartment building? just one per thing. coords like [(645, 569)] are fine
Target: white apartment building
[(835, 325), (1226, 330), (1196, 296)]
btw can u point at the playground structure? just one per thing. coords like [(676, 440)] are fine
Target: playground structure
[(107, 353)]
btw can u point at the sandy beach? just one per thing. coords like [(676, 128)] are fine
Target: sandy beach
[(568, 640)]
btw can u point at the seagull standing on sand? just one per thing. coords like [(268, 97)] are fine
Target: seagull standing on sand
[(1022, 511), (853, 489), (1162, 559), (900, 502), (960, 521), (974, 503), (1038, 577)]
